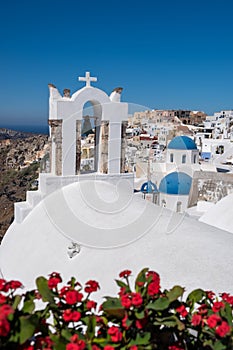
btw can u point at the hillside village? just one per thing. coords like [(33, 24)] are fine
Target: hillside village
[(148, 133)]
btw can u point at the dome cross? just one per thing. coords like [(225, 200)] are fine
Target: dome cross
[(87, 79)]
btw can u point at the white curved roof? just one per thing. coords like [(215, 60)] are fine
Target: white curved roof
[(220, 214), (117, 230)]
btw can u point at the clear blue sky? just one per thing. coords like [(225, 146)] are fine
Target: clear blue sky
[(165, 54)]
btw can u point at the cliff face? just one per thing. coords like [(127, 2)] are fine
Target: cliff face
[(20, 155)]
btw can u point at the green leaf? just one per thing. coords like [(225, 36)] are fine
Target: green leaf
[(91, 327), (196, 296), (16, 302), (113, 307), (122, 284), (60, 342), (141, 278), (227, 313), (140, 315), (160, 304), (141, 339), (174, 293), (171, 321), (100, 341), (66, 334), (45, 292), (72, 282), (29, 306), (28, 325), (219, 346)]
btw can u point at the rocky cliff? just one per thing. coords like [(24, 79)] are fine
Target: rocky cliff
[(20, 156)]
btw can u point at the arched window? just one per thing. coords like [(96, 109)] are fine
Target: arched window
[(171, 157), (183, 158)]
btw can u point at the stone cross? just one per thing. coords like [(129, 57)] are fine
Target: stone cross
[(87, 79)]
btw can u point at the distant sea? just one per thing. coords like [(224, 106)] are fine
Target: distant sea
[(37, 129)]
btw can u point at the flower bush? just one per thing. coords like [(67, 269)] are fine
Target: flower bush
[(143, 317)]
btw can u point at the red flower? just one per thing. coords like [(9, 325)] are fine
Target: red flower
[(182, 311), (91, 304), (126, 301), (45, 343), (15, 284), (63, 291), (133, 347), (5, 310), (175, 347), (137, 299), (95, 347), (125, 273), (81, 344), (140, 324), (109, 347), (2, 298), (213, 320), (72, 346), (53, 282), (91, 286), (196, 320), (153, 288), (4, 327), (210, 294), (78, 344), (74, 338), (153, 276), (122, 291), (217, 306), (124, 321), (139, 284), (6, 287), (115, 333), (73, 296), (76, 316), (203, 309), (228, 298), (2, 284), (69, 315), (223, 329)]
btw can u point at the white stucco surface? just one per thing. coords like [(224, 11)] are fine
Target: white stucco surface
[(69, 110), (220, 214), (116, 230)]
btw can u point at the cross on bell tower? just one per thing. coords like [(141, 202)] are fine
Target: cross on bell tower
[(87, 79)]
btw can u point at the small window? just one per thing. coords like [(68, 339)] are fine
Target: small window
[(178, 207), (195, 158), (184, 158), (164, 203), (171, 157)]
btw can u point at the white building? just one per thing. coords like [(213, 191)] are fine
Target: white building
[(93, 226)]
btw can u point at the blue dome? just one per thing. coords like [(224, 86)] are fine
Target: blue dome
[(149, 187), (176, 183), (182, 142)]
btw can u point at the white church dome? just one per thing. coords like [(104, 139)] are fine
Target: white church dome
[(113, 229)]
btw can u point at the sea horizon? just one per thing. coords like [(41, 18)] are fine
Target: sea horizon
[(36, 129)]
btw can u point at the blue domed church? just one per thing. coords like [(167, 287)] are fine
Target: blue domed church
[(172, 180)]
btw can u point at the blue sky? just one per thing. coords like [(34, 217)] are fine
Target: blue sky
[(165, 54)]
